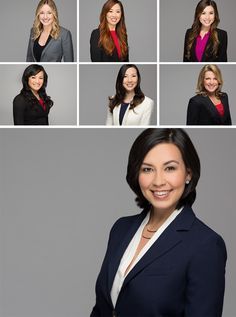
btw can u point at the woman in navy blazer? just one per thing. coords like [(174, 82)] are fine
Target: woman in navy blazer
[(108, 43), (164, 261), (210, 106), (49, 42), (204, 42)]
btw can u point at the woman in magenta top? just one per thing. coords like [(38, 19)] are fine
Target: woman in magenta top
[(204, 42), (210, 106), (109, 42)]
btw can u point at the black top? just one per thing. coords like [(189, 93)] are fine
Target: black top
[(38, 49), (202, 111), (123, 109), (98, 54), (26, 113), (208, 56)]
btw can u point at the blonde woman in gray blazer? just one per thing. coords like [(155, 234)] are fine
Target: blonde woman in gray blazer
[(129, 106), (49, 42)]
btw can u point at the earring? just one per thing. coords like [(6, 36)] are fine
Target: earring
[(187, 181)]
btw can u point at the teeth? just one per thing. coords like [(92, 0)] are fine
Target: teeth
[(161, 193)]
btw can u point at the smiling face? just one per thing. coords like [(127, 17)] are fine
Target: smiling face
[(162, 177), (46, 16), (130, 79), (113, 16), (207, 17), (210, 82), (35, 82)]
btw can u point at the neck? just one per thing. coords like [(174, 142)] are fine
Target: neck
[(35, 93), (129, 96), (205, 29), (158, 217), (47, 29), (112, 27)]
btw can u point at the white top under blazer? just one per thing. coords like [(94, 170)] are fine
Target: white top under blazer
[(140, 115)]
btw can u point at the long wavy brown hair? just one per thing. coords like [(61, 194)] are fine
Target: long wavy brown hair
[(105, 39), (121, 92), (38, 27), (196, 27), (201, 90)]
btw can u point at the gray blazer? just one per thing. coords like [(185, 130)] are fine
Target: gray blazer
[(57, 49)]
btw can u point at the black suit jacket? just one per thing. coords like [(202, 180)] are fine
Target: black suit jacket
[(98, 54), (208, 55), (25, 114), (181, 275), (202, 111)]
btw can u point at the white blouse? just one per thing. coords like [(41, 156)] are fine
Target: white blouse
[(131, 249)]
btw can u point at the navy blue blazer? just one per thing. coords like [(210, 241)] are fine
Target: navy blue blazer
[(98, 54), (208, 55), (181, 275), (202, 111)]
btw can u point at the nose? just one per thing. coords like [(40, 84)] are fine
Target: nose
[(159, 179)]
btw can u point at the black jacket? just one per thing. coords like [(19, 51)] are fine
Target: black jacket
[(26, 114), (208, 55), (201, 111), (98, 54)]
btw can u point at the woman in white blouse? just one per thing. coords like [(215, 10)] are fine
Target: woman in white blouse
[(164, 261), (129, 106)]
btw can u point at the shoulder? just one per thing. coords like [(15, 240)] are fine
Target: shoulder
[(124, 223), (222, 33), (187, 32), (147, 102), (19, 99), (64, 31), (95, 33), (197, 99)]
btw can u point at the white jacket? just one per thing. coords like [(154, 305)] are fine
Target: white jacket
[(140, 115)]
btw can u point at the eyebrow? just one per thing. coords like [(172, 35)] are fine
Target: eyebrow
[(166, 163)]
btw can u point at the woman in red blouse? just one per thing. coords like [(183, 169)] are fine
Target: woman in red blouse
[(108, 43), (210, 106)]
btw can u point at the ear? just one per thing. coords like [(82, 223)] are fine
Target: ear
[(189, 174)]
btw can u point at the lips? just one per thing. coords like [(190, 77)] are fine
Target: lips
[(161, 193)]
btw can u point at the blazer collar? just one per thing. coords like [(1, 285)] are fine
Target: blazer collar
[(116, 115), (214, 111)]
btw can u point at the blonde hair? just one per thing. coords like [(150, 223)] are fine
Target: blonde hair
[(38, 27), (201, 90)]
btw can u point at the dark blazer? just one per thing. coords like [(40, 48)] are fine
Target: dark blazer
[(202, 111), (55, 50), (25, 114), (181, 275), (208, 55), (98, 54)]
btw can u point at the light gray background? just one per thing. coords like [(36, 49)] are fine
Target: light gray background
[(62, 88), (16, 20), (141, 24), (97, 82), (61, 192), (177, 16), (178, 84)]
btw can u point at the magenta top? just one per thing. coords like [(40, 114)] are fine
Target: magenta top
[(201, 45)]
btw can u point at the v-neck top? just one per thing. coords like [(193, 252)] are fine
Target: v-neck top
[(131, 249), (201, 45), (38, 49)]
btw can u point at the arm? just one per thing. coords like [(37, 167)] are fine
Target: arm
[(223, 47), (146, 117), (67, 47), (185, 46), (29, 56), (228, 118), (95, 50), (109, 120), (18, 110), (206, 279), (193, 112)]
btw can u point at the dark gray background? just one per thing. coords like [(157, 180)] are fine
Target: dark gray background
[(62, 88), (177, 16), (16, 20), (97, 82), (178, 84), (61, 191), (141, 24)]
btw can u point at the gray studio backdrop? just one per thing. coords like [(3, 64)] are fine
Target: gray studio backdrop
[(178, 84), (97, 82), (62, 88), (16, 20), (62, 189), (177, 16), (141, 23)]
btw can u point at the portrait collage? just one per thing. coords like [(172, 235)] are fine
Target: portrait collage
[(117, 158)]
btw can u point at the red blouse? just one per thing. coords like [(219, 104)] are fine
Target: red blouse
[(220, 109), (116, 42)]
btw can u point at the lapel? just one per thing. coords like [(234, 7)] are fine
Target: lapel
[(51, 42), (166, 242), (116, 115), (124, 122), (212, 108)]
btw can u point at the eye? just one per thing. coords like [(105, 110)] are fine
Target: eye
[(146, 169), (170, 168)]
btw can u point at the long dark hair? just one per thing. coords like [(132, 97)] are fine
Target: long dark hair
[(145, 142), (32, 70), (196, 27), (121, 92)]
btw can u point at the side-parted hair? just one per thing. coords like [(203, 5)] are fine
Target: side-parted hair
[(105, 39), (33, 70), (148, 139), (121, 92), (196, 27), (38, 27), (201, 90)]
